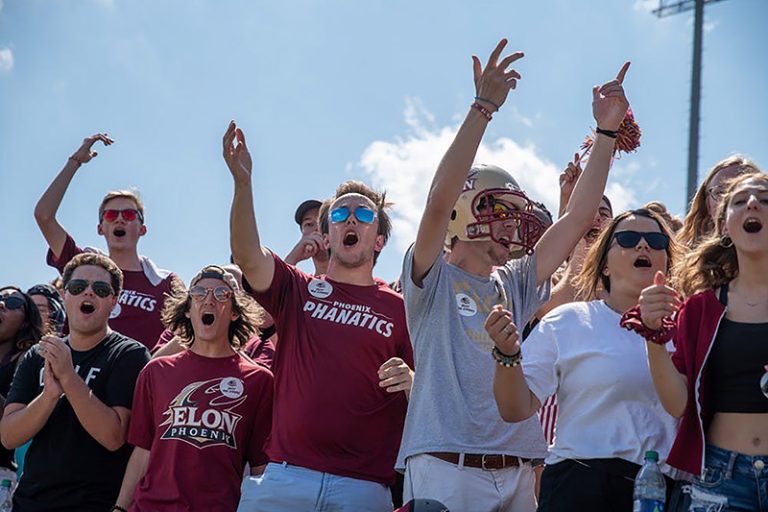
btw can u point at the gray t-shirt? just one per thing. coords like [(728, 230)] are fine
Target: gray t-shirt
[(452, 408)]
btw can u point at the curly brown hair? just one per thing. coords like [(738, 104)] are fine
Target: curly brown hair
[(714, 261), (591, 278), (698, 224), (249, 316)]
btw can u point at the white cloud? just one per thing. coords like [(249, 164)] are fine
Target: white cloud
[(6, 59), (404, 167), (645, 5), (709, 26)]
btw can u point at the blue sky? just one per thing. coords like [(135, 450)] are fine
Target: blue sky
[(341, 89)]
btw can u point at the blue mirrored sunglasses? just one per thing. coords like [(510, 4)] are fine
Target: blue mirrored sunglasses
[(362, 214)]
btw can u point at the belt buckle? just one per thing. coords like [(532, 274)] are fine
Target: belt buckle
[(482, 462)]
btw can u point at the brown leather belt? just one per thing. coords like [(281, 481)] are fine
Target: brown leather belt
[(481, 461)]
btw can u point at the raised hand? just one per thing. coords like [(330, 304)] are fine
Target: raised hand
[(84, 153), (503, 331), (236, 155), (307, 247), (609, 104), (492, 83), (568, 180), (658, 301)]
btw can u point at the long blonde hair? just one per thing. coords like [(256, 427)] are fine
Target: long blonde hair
[(698, 224), (591, 279), (714, 261)]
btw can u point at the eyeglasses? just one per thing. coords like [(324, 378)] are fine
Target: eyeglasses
[(363, 214), (716, 193), (220, 293), (100, 288), (628, 239), (128, 214), (12, 301)]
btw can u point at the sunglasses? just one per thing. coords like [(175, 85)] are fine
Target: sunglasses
[(100, 288), (129, 214), (220, 293), (629, 239), (363, 214), (12, 301)]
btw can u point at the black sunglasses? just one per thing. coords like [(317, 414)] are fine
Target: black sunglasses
[(629, 239), (12, 301), (100, 288)]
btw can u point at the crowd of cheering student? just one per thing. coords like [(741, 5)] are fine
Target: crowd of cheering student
[(519, 363)]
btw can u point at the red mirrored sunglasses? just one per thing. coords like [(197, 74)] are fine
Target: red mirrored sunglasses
[(129, 214)]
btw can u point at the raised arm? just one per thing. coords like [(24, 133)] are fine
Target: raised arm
[(657, 302), (48, 205), (514, 399), (255, 261), (609, 106), (492, 85)]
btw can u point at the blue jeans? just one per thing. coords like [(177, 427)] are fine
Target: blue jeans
[(284, 487), (731, 482)]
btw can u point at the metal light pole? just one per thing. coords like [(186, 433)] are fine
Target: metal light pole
[(667, 8)]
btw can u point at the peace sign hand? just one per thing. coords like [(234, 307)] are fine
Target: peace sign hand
[(84, 154), (609, 104), (238, 157), (494, 82)]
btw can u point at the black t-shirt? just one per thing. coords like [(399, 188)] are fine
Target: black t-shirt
[(65, 468)]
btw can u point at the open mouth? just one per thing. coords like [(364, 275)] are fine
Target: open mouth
[(119, 232), (350, 239), (591, 235), (752, 225), (208, 318), (506, 242), (87, 308), (642, 262)]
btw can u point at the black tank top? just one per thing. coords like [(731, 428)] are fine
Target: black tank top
[(736, 365)]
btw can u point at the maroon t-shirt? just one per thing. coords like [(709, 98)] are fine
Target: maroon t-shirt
[(137, 313), (330, 414), (201, 419)]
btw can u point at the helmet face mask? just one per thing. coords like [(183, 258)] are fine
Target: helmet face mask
[(491, 195)]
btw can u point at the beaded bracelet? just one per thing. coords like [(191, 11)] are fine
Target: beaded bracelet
[(486, 113), (486, 100), (505, 360)]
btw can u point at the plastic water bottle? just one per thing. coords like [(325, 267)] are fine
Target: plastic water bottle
[(650, 487), (6, 497)]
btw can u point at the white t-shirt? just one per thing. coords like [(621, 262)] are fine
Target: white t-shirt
[(607, 405)]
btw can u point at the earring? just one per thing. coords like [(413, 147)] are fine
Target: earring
[(726, 242)]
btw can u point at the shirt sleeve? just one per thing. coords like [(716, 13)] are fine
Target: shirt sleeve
[(262, 423), (539, 359), (122, 380), (26, 383), (280, 293), (141, 431), (419, 299), (684, 339), (521, 277), (69, 251)]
